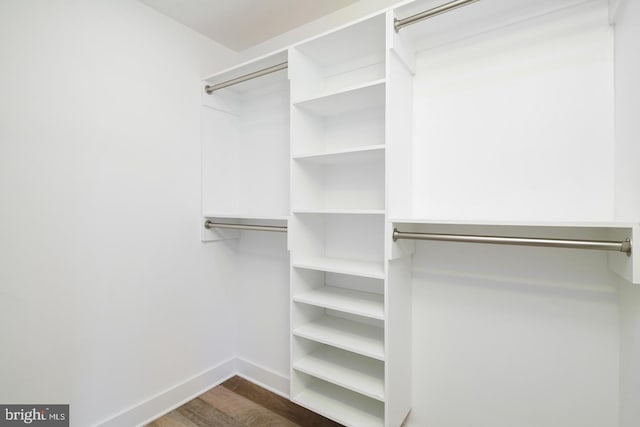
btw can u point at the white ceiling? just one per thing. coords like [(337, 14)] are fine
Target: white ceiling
[(240, 24)]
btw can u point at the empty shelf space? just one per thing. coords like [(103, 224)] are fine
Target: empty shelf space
[(342, 405), (357, 373), (374, 270), (364, 304), (352, 155), (351, 99), (348, 335)]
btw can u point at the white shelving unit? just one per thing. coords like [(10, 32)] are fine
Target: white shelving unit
[(339, 290), (466, 125)]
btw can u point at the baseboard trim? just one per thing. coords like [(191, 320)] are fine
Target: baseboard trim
[(166, 401), (264, 377)]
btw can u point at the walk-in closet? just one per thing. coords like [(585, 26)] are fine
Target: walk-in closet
[(458, 237), (420, 213)]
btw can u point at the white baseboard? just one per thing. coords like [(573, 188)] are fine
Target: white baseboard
[(173, 397), (264, 377)]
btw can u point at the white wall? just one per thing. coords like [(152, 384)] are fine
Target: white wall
[(629, 354), (507, 336), (627, 33), (261, 308), (107, 296), (518, 122)]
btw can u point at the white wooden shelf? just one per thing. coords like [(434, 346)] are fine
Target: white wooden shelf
[(483, 222), (364, 304), (245, 216), (374, 270), (340, 211), (348, 335), (352, 155), (354, 98), (356, 373), (344, 406)]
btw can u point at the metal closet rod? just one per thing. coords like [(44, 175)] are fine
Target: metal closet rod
[(210, 224), (604, 245), (212, 88), (399, 24)]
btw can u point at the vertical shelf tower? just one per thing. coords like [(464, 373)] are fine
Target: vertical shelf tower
[(343, 364)]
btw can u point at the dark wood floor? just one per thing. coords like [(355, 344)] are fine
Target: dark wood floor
[(240, 403)]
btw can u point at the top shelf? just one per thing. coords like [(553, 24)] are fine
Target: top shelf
[(362, 39), (338, 60)]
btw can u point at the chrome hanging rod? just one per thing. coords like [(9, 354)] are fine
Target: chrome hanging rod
[(210, 224), (624, 246), (447, 7), (212, 88)]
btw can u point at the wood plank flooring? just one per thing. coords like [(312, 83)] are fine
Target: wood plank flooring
[(240, 403)]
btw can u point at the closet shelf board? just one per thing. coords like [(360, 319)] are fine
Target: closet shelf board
[(348, 100), (342, 405), (244, 216), (482, 222), (348, 335), (364, 304), (360, 154), (340, 211), (374, 270), (356, 373)]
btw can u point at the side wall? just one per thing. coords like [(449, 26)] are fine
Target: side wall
[(107, 296), (506, 336), (627, 33), (629, 354)]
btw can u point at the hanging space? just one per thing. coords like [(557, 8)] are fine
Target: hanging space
[(245, 206)]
